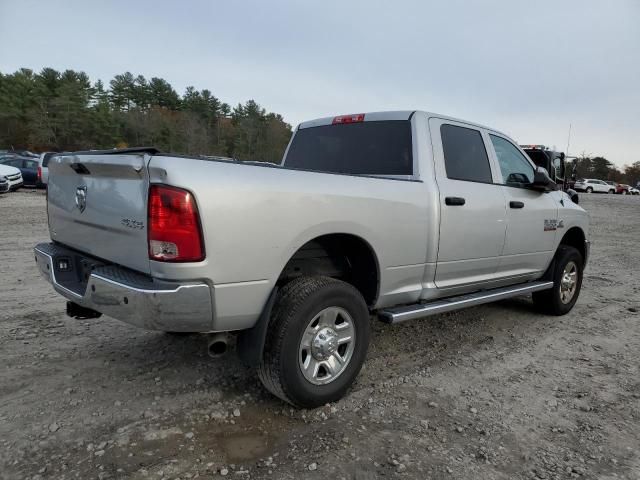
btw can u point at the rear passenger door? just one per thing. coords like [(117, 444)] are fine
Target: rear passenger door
[(30, 171), (603, 187), (531, 215), (472, 208)]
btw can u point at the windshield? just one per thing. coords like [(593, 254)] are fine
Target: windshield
[(364, 148)]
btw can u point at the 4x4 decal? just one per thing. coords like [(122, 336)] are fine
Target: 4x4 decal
[(552, 224)]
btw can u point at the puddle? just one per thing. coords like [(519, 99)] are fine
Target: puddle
[(245, 446)]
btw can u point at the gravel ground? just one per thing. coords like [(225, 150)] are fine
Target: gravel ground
[(491, 392)]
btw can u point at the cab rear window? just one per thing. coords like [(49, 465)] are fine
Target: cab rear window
[(363, 148)]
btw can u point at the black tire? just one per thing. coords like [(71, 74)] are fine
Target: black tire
[(589, 190), (297, 304), (624, 192), (550, 301), (611, 192)]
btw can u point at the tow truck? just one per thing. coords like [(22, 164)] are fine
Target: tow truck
[(552, 161)]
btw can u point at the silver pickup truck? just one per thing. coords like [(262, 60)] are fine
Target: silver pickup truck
[(396, 214)]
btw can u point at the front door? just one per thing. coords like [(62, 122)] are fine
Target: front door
[(472, 207), (532, 216)]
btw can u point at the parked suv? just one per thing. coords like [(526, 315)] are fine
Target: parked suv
[(591, 185), (43, 162)]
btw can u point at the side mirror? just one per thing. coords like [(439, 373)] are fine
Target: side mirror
[(541, 181), (573, 195)]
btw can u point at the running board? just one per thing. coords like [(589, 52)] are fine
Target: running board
[(419, 310)]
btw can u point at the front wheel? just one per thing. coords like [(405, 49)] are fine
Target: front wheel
[(567, 282), (611, 192), (589, 190), (316, 342)]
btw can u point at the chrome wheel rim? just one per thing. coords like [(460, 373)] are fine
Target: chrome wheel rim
[(326, 346), (568, 282)]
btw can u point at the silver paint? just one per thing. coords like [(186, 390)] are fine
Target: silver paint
[(255, 217)]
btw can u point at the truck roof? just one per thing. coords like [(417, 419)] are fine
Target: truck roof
[(378, 116)]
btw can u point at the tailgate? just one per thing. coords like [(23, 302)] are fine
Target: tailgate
[(97, 203)]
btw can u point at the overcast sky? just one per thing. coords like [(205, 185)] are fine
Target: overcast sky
[(526, 68)]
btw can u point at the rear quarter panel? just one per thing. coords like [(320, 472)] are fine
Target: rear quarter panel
[(254, 218)]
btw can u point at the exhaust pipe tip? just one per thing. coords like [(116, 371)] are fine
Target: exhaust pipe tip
[(217, 345), (217, 349)]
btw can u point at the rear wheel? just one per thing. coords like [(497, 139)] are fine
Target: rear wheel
[(624, 192), (567, 281), (316, 342)]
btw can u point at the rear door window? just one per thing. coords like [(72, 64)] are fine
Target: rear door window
[(362, 148), (465, 155)]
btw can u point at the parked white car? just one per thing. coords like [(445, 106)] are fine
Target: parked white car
[(4, 184), (13, 176), (591, 185)]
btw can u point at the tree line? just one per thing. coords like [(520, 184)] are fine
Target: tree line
[(587, 166), (66, 111)]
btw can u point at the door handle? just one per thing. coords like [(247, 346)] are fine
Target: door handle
[(516, 204), (454, 201)]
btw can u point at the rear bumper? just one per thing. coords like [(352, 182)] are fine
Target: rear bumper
[(128, 296)]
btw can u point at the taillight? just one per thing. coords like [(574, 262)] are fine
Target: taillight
[(39, 173), (355, 118), (174, 226)]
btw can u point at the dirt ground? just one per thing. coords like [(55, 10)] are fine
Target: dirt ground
[(497, 391)]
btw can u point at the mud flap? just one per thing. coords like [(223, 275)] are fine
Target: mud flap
[(548, 275), (250, 343)]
